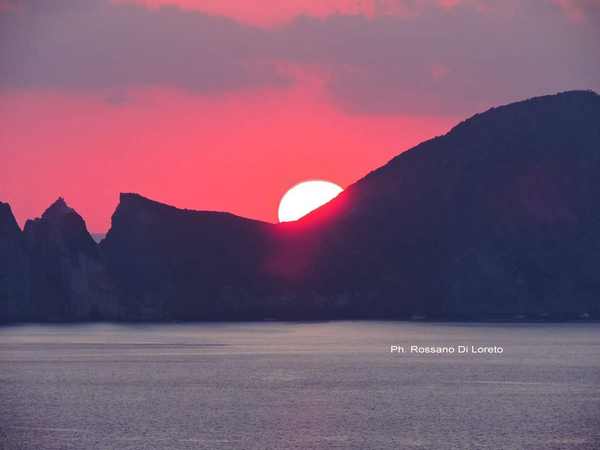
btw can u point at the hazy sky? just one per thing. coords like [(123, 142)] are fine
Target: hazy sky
[(222, 104)]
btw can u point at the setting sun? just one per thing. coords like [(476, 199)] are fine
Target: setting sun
[(305, 197)]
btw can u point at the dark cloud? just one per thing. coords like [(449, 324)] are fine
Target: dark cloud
[(581, 10), (448, 61), (437, 60), (97, 45)]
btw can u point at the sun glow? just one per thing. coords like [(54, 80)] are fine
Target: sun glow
[(305, 197)]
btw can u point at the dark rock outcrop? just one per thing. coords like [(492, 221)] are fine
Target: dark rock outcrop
[(495, 220), (68, 278), (186, 265), (14, 269)]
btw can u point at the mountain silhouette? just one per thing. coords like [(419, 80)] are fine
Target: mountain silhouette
[(67, 274), (14, 269), (496, 219), (181, 264)]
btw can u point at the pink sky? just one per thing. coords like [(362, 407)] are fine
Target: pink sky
[(223, 105)]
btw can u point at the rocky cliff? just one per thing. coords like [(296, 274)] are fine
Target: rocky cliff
[(497, 219), (171, 263), (14, 269), (68, 277)]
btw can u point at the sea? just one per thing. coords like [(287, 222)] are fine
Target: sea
[(321, 385)]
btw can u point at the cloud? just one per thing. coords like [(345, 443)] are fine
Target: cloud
[(392, 65), (277, 12), (442, 57), (581, 10), (92, 44)]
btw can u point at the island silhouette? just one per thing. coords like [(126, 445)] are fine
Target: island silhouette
[(496, 220)]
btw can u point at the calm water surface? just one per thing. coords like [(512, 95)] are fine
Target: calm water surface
[(299, 386)]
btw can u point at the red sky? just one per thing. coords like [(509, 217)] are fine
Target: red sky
[(223, 105), (237, 154), (276, 12)]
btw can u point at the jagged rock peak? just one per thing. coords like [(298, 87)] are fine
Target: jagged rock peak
[(133, 199), (131, 196), (58, 209), (58, 216), (5, 211), (132, 202), (8, 223)]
